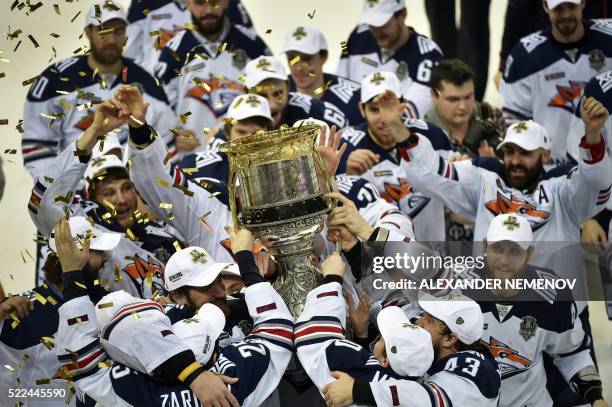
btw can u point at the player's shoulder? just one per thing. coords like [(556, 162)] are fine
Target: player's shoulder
[(239, 31), (531, 54), (419, 47), (600, 31), (66, 74), (139, 10), (303, 104), (180, 45), (137, 75), (361, 41), (346, 355), (475, 367), (436, 135), (357, 189), (600, 87), (356, 136)]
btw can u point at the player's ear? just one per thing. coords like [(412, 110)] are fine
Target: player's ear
[(545, 156), (361, 106), (450, 341), (88, 32)]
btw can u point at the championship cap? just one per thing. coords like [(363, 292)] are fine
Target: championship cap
[(378, 82), (191, 266), (512, 227), (108, 306), (245, 106), (262, 68), (200, 333), (377, 12), (311, 121), (111, 142), (97, 166), (554, 3), (80, 229), (408, 346), (528, 135), (460, 313), (102, 11), (306, 40)]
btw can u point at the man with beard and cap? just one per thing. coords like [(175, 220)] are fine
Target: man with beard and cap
[(201, 68), (308, 46), (463, 372), (165, 18), (383, 42), (520, 185), (546, 71), (523, 324), (53, 112), (266, 76), (28, 327), (136, 265)]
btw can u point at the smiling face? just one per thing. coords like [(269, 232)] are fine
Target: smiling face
[(276, 91), (523, 168), (566, 18), (118, 190), (377, 125)]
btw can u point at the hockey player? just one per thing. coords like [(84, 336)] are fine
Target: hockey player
[(258, 362), (384, 43), (137, 263), (164, 18), (266, 76), (200, 67), (28, 328), (403, 350), (547, 70), (61, 103), (520, 325), (463, 372), (371, 154), (306, 51)]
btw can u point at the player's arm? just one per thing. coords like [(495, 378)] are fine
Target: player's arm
[(55, 190), (196, 214), (41, 135), (322, 322), (591, 180)]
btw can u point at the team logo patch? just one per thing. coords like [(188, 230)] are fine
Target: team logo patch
[(528, 327), (198, 257), (506, 202), (567, 97), (459, 321), (239, 59), (299, 33), (597, 59), (511, 223)]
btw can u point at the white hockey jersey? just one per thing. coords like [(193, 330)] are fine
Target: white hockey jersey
[(61, 103), (412, 64), (196, 214), (427, 212), (543, 79), (153, 23), (202, 78), (518, 330), (553, 208), (599, 87), (461, 379), (259, 361), (136, 265)]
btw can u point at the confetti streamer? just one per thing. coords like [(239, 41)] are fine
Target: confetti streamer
[(17, 46), (29, 81), (294, 60), (77, 14), (36, 45), (176, 245), (3, 122), (54, 35), (57, 9)]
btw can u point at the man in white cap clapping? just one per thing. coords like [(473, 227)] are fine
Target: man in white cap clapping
[(383, 42), (306, 51)]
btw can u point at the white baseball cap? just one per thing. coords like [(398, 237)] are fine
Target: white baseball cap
[(99, 164), (191, 266), (108, 306), (262, 68), (111, 142), (408, 346), (245, 106), (461, 314), (202, 331), (378, 82), (231, 269), (102, 11), (377, 12), (554, 3), (528, 135), (306, 40), (80, 229), (311, 121), (512, 227)]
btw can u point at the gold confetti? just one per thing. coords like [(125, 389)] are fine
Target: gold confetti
[(190, 26), (29, 81), (19, 126), (189, 171), (84, 288), (167, 158), (80, 153), (106, 32), (162, 182), (311, 16), (40, 298), (15, 3), (2, 74), (294, 60), (51, 300), (117, 273), (320, 90), (103, 365), (64, 199), (57, 9), (36, 45), (138, 122), (12, 35), (3, 122), (185, 190), (5, 60), (9, 367), (150, 280), (164, 205), (184, 116), (40, 382), (202, 220), (54, 35), (17, 46), (344, 47), (130, 234), (146, 11), (203, 57), (268, 31), (105, 305), (10, 151), (47, 341), (175, 55), (74, 18), (33, 8), (176, 245)]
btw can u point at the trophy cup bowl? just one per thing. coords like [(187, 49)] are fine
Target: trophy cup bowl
[(279, 179)]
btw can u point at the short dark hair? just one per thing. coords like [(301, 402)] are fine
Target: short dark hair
[(52, 269), (259, 120), (112, 174), (454, 71)]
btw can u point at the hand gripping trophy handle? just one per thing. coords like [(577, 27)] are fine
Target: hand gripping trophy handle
[(278, 178)]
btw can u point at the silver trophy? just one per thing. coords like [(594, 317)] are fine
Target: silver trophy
[(279, 179)]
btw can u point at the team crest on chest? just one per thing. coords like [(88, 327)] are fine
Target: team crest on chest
[(597, 59), (528, 327), (567, 97)]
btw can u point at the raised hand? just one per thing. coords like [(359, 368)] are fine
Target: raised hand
[(359, 315), (71, 257), (18, 304), (328, 148), (108, 116), (131, 98), (594, 115), (241, 239)]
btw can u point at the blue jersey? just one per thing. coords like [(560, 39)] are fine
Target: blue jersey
[(344, 93)]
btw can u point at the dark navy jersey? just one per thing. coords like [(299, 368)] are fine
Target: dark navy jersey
[(301, 107), (357, 362), (341, 92)]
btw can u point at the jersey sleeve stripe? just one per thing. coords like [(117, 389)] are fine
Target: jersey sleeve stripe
[(83, 362), (439, 395), (318, 330), (277, 331)]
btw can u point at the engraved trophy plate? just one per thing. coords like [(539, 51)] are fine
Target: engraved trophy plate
[(279, 179)]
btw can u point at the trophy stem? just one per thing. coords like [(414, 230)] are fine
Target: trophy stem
[(297, 277)]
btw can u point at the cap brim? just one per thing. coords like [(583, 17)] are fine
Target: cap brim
[(262, 76), (207, 278), (105, 241), (376, 19), (495, 238), (308, 50), (231, 270), (524, 146), (431, 305)]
